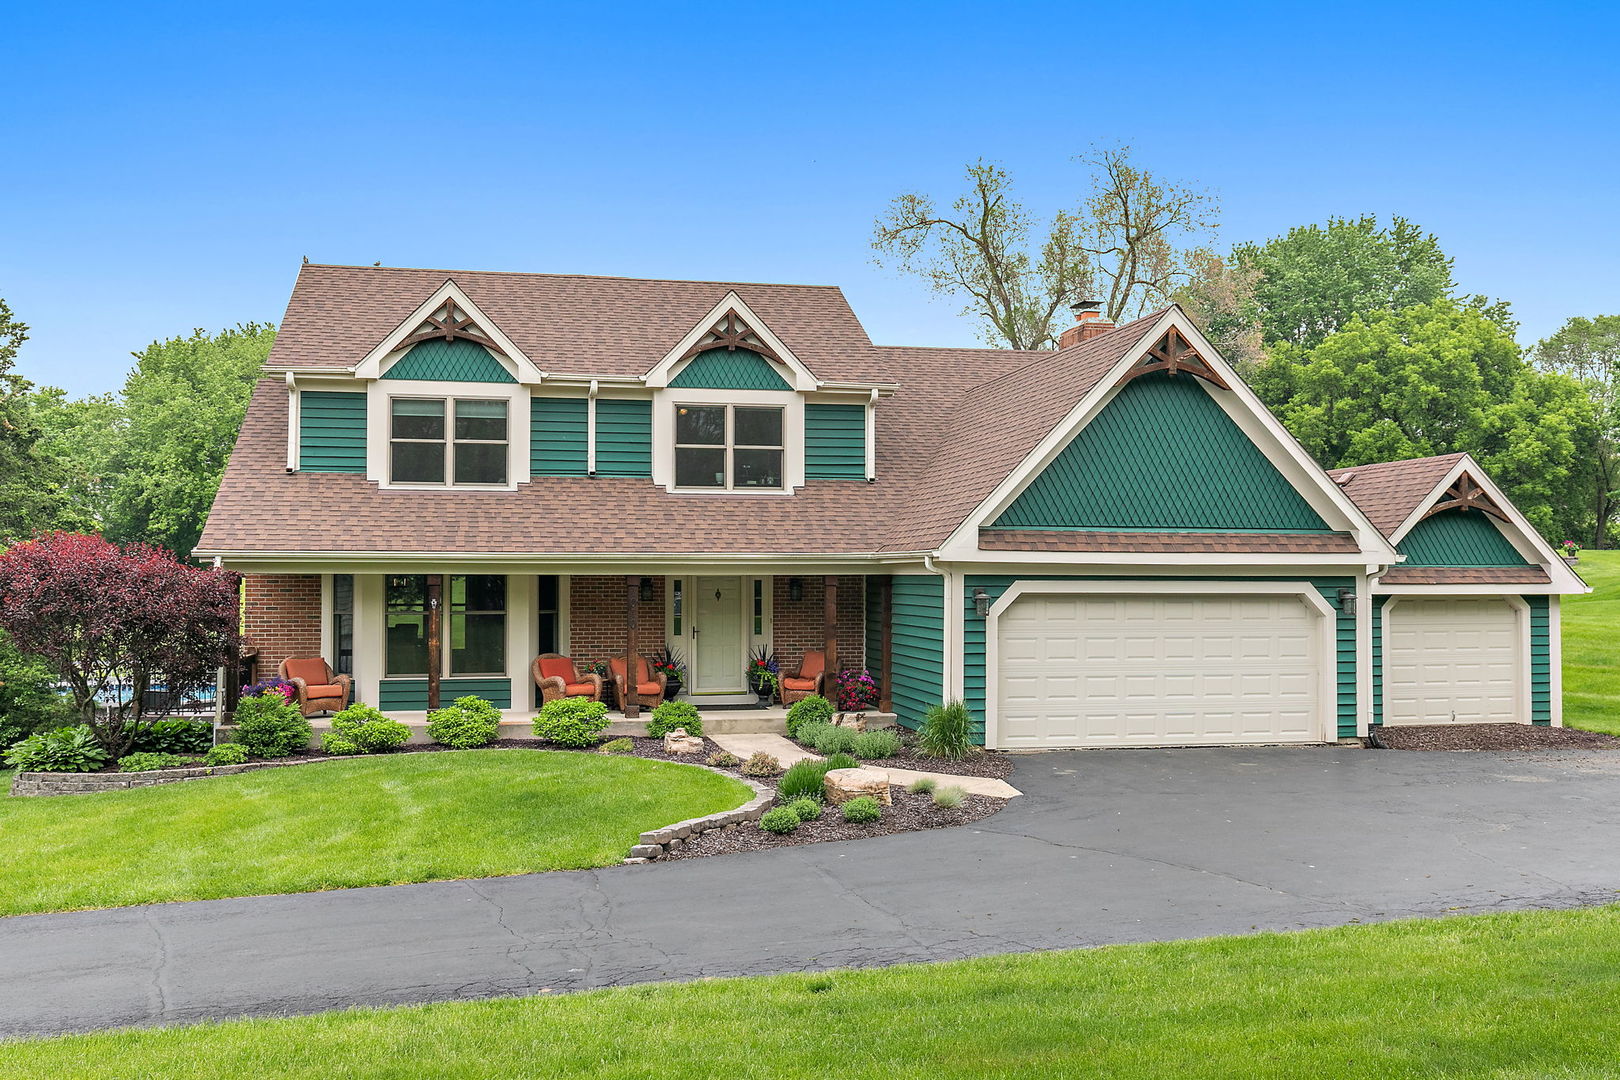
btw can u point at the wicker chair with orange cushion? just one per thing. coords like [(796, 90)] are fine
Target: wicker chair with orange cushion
[(649, 688), (557, 677), (318, 689), (807, 680)]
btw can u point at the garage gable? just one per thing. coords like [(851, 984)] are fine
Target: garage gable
[(1459, 538)]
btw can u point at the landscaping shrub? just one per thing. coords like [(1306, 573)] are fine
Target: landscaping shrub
[(806, 809), (834, 740), (228, 753), (670, 715), (842, 761), (268, 727), (724, 759), (361, 729), (947, 732), (782, 820), (802, 778), (571, 721), (810, 731), (147, 761), (810, 710), (922, 785), (69, 749), (617, 746), (872, 745), (465, 723), (862, 810), (949, 798), (760, 763), (176, 735), (29, 700)]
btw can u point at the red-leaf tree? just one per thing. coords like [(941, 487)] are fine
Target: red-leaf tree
[(107, 617)]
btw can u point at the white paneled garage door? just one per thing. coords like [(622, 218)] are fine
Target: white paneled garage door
[(1124, 670), (1452, 661)]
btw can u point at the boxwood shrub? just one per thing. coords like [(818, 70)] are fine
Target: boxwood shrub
[(571, 721), (862, 810), (780, 820), (806, 809), (810, 710), (268, 726), (670, 715), (361, 729), (465, 723)]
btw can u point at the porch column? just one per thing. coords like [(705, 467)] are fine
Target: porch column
[(632, 604), (435, 637), (829, 633), (886, 697)]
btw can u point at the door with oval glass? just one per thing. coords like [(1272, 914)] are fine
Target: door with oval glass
[(718, 658)]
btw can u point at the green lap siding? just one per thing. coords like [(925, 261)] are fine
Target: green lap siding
[(411, 695), (1378, 659), (722, 369), (1540, 661), (331, 431), (558, 430), (919, 645), (1459, 538), (973, 644), (834, 442), (623, 438), (874, 630), (449, 361)]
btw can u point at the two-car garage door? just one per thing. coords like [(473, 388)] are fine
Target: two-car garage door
[(1158, 670)]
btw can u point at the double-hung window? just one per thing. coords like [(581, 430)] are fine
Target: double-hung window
[(462, 439), (728, 447)]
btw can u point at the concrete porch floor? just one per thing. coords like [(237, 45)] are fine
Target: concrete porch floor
[(516, 725)]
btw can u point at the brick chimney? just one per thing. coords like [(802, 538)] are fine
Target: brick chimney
[(1088, 323)]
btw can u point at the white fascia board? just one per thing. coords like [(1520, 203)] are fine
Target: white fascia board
[(371, 367), (643, 565), (1082, 561), (800, 376)]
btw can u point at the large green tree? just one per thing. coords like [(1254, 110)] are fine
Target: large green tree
[(1588, 351), (32, 484)]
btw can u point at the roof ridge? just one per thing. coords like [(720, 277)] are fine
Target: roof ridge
[(1072, 350), (1399, 461), (581, 277)]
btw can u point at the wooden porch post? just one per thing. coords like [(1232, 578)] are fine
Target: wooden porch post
[(829, 633), (435, 636), (632, 604), (886, 696)]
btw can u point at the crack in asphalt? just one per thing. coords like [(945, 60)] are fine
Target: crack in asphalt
[(520, 941)]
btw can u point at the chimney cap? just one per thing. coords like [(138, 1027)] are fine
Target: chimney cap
[(1085, 305)]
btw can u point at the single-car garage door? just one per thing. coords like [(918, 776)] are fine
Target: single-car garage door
[(1125, 670), (1452, 661)]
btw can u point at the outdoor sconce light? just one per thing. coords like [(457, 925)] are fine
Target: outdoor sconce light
[(981, 603), (795, 590), (646, 588), (1347, 601)]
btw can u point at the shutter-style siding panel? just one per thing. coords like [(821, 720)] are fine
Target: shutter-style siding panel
[(449, 361), (331, 431), (834, 442), (558, 430), (919, 646), (1345, 642), (1162, 455), (1459, 538), (623, 437), (411, 695), (1378, 658), (1540, 661), (722, 369)]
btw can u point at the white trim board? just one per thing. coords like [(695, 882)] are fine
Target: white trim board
[(1522, 698), (792, 369), (520, 366)]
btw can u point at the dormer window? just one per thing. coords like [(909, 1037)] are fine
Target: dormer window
[(728, 447), (460, 438)]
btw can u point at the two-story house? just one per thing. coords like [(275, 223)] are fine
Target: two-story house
[(1111, 544)]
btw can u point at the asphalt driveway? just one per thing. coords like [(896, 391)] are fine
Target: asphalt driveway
[(1104, 847)]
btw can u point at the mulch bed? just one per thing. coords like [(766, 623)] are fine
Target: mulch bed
[(908, 814), (1490, 737)]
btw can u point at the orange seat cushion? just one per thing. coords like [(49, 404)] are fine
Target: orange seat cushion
[(558, 667), (579, 689), (647, 688), (311, 671), (328, 691), (616, 665), (813, 664), (790, 683)]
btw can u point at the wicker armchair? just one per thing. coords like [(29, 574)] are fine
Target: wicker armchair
[(318, 689), (556, 677), (649, 688), (808, 680)]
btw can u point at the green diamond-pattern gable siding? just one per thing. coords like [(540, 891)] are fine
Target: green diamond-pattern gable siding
[(729, 369), (623, 437), (449, 361), (558, 436), (412, 694), (973, 658), (1540, 661), (331, 431), (919, 646), (1162, 455), (834, 442), (1459, 538)]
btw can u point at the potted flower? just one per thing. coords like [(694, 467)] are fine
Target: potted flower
[(1571, 552), (674, 668), (857, 690), (764, 675)]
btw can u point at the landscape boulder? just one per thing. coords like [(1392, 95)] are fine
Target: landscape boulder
[(853, 721), (842, 785), (679, 742)]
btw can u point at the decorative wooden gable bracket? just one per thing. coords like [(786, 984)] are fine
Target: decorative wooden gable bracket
[(1465, 494), (1174, 355), (450, 323), (731, 334)]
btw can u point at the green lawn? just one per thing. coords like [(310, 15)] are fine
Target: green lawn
[(1592, 646), (1501, 996), (343, 824)]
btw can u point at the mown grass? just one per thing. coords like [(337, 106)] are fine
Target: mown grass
[(343, 824), (1592, 646), (1509, 997)]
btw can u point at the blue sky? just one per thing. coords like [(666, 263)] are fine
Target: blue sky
[(168, 167)]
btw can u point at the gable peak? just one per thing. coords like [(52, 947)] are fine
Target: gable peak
[(731, 332), (450, 322)]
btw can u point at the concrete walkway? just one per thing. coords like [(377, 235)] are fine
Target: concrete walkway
[(786, 752), (1106, 846)]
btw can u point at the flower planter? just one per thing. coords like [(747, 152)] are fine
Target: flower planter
[(1571, 560)]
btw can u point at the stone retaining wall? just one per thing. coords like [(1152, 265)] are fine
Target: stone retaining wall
[(656, 843), (68, 783)]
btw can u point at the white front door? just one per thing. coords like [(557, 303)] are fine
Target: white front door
[(718, 655), (1452, 662)]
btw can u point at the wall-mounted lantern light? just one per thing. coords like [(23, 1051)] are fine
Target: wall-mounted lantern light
[(1347, 601), (981, 603), (646, 588), (795, 590)]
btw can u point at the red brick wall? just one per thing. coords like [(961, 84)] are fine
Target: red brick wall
[(281, 617), (798, 626), (596, 621)]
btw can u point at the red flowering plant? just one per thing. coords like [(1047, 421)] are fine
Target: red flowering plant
[(857, 690), (764, 674), (271, 686), (104, 616), (670, 664)]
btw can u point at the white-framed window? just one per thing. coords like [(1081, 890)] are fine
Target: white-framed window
[(729, 447), (474, 625), (449, 440)]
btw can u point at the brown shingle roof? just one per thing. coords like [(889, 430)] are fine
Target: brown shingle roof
[(1389, 491), (1086, 540), (1465, 575)]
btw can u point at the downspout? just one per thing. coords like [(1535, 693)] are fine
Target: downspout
[(871, 437), (292, 423), (952, 642), (1374, 730), (590, 430)]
